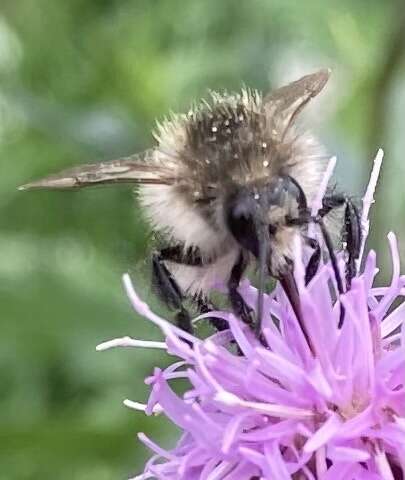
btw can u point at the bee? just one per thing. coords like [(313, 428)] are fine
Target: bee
[(228, 183)]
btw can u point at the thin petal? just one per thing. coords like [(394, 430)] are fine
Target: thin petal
[(393, 321), (323, 434), (383, 466), (347, 454)]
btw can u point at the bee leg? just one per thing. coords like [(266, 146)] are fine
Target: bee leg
[(351, 231), (333, 261), (352, 238), (178, 254), (238, 304), (169, 292), (205, 306), (314, 260), (330, 202)]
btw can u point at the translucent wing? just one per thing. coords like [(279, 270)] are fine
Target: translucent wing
[(140, 168), (285, 103)]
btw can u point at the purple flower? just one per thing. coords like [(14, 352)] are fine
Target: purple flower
[(334, 409)]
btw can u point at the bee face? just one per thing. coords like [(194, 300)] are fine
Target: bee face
[(243, 214), (266, 213)]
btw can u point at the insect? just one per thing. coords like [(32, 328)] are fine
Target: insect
[(227, 183)]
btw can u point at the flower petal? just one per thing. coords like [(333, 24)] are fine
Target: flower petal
[(323, 434)]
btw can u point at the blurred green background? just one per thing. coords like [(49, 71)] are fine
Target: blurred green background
[(82, 80)]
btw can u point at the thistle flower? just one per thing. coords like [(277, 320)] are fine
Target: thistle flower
[(330, 408)]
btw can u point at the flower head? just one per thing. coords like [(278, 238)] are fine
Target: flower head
[(329, 404)]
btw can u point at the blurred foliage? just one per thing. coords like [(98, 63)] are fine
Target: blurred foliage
[(83, 80)]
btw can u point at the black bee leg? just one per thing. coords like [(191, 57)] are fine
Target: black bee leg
[(352, 239), (177, 254), (238, 304), (169, 292), (314, 260), (333, 260), (205, 306), (351, 231), (330, 202)]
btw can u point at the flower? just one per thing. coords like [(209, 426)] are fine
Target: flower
[(331, 408)]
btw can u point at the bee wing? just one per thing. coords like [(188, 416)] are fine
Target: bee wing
[(138, 168), (285, 103)]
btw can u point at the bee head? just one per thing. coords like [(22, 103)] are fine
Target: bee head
[(255, 212)]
